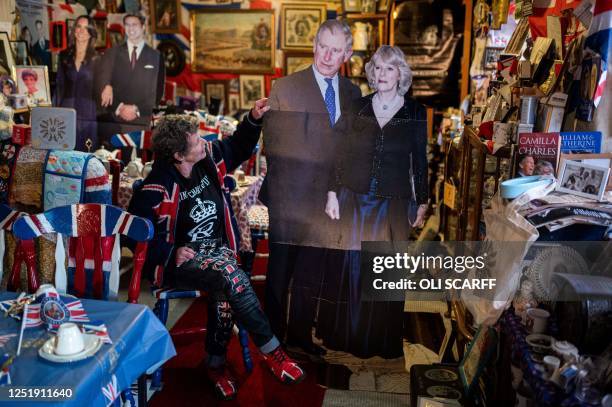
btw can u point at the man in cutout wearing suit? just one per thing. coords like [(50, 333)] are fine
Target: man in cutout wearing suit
[(299, 145), (131, 77)]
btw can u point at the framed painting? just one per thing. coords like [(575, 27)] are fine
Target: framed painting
[(299, 24), (215, 89), (297, 61), (240, 41), (166, 16), (251, 89)]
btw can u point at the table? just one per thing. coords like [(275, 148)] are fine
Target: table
[(140, 344)]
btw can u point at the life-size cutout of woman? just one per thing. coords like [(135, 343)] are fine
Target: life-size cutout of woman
[(378, 192)]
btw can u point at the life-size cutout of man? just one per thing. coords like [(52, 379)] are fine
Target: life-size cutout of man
[(131, 80), (194, 245), (299, 145)]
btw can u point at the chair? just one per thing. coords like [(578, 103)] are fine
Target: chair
[(93, 247), (8, 217)]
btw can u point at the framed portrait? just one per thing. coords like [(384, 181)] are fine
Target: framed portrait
[(240, 41), (165, 16), (233, 104), (100, 25), (33, 81), (583, 179), (297, 61), (6, 55), (233, 85), (299, 24), (215, 89), (351, 6), (251, 90)]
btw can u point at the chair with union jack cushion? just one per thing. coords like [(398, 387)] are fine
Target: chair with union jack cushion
[(93, 247)]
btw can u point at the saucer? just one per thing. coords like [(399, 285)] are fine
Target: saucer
[(92, 345)]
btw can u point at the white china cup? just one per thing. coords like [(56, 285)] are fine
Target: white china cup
[(69, 340), (44, 289)]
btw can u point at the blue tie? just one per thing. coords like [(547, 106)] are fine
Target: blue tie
[(330, 102)]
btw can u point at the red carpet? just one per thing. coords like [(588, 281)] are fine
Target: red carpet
[(185, 382)]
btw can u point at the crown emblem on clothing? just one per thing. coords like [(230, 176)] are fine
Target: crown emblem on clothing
[(202, 210)]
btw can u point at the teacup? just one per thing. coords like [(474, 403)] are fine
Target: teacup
[(69, 340), (44, 289)]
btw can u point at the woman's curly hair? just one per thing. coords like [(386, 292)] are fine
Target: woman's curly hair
[(171, 134)]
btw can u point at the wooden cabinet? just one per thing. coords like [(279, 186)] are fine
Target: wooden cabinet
[(475, 174)]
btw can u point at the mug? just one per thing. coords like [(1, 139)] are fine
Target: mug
[(69, 340), (537, 320)]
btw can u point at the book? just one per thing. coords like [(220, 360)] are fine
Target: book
[(581, 142), (544, 149)]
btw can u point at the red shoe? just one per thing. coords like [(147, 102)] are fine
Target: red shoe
[(283, 367), (225, 385)]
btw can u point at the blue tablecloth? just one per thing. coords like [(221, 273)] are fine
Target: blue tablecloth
[(140, 344)]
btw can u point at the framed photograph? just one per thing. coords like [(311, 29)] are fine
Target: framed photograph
[(233, 85), (583, 179), (233, 104), (251, 90), (166, 16), (33, 81), (297, 61), (351, 6), (491, 57), (599, 159), (299, 24), (6, 55), (383, 6), (215, 89), (100, 25), (240, 41)]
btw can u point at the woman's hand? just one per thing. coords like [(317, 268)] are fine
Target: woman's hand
[(332, 208), (107, 96), (420, 217), (261, 107), (184, 254)]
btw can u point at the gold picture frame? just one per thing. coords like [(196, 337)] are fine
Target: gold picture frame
[(240, 41), (165, 16), (299, 25), (297, 61)]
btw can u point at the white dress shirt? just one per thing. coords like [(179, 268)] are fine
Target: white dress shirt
[(323, 87)]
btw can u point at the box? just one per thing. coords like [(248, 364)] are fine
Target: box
[(22, 134)]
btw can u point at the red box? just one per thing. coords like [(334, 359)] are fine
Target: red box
[(22, 134)]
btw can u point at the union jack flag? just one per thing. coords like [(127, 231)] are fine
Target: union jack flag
[(110, 391), (599, 40), (138, 139), (5, 338)]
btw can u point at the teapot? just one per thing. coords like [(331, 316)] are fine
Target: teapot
[(134, 168), (147, 169)]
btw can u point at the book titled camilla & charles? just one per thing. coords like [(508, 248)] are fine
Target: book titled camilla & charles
[(542, 147), (581, 142)]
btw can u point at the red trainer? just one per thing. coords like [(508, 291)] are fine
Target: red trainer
[(283, 367), (225, 385)]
